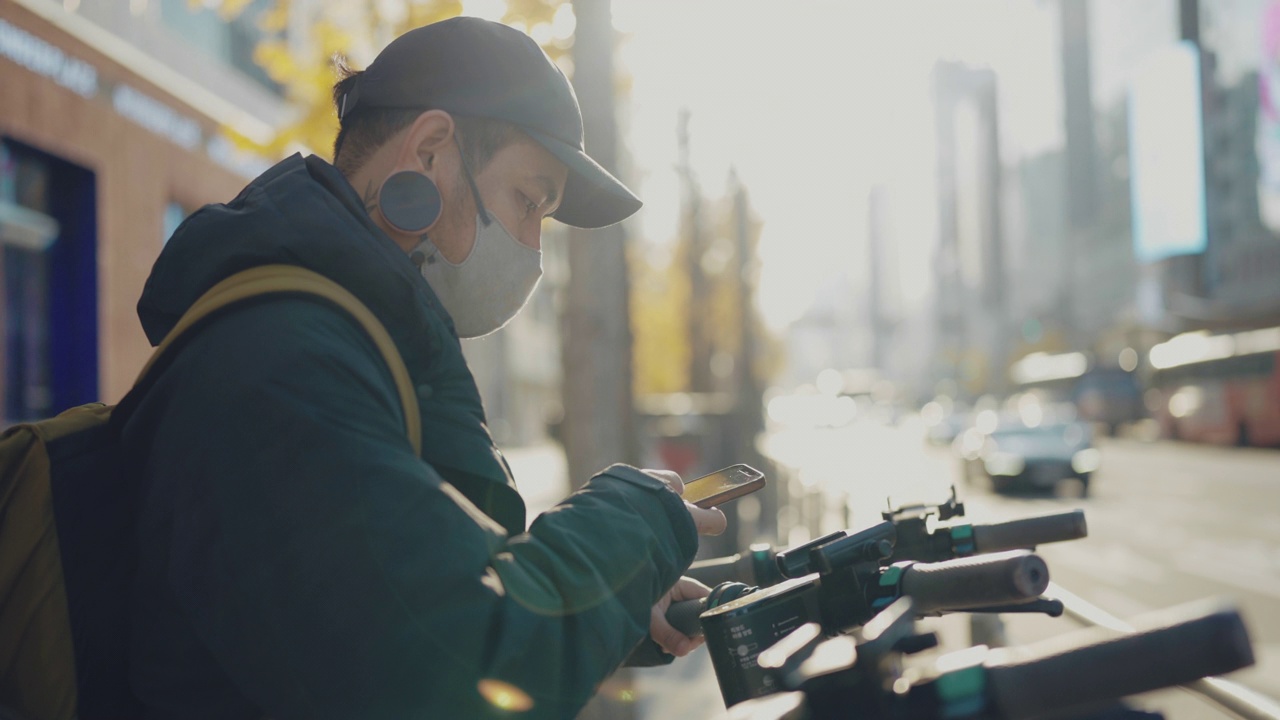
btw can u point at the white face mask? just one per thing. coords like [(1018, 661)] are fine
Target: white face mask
[(484, 291)]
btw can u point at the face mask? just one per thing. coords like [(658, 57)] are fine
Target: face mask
[(484, 291)]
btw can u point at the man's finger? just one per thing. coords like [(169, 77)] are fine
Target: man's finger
[(687, 588), (671, 639), (670, 477), (709, 521)]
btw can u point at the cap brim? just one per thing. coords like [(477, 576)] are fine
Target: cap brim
[(593, 198)]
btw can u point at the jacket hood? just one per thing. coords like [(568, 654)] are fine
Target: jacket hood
[(300, 212), (304, 212)]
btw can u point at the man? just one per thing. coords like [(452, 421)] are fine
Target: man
[(296, 558)]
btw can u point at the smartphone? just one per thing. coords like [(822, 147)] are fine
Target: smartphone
[(723, 485)]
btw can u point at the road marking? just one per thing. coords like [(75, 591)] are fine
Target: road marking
[(1111, 563), (1259, 677), (1221, 571), (1117, 603)]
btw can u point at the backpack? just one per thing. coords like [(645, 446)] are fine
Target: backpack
[(66, 524)]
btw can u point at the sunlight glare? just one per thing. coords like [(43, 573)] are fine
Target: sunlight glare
[(830, 382), (1030, 410), (564, 22), (504, 696), (542, 33), (813, 120), (487, 9)]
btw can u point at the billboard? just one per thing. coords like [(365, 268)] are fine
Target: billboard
[(1166, 155)]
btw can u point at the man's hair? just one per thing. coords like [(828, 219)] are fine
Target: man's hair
[(365, 130)]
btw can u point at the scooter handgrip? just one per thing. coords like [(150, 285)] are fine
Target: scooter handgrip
[(1027, 533), (713, 571), (683, 616), (1098, 665), (973, 582)]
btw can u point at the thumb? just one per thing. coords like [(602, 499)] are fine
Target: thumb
[(709, 521)]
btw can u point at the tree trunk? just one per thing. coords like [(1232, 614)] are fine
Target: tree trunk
[(598, 423)]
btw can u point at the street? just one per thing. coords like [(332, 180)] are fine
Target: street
[(1168, 524)]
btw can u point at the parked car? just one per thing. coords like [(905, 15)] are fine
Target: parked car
[(1015, 455)]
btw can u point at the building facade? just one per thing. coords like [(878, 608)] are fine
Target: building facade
[(114, 125), (1240, 275), (1151, 210)]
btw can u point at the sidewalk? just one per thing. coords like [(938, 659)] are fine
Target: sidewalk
[(686, 688), (542, 474)]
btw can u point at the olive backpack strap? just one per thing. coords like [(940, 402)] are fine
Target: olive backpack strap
[(271, 279)]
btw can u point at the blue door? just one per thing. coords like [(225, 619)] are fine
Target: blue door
[(48, 230)]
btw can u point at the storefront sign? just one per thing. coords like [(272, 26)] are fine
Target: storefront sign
[(44, 59), (155, 116), (147, 112)]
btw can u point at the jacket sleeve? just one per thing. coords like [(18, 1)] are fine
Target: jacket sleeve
[(333, 574)]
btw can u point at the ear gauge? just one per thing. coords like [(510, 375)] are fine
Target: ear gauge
[(410, 202)]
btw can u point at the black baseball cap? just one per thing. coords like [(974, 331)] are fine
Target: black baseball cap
[(478, 68)]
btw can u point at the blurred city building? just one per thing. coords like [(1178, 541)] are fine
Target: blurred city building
[(969, 266), (116, 121), (1146, 209), (1240, 270), (1035, 248)]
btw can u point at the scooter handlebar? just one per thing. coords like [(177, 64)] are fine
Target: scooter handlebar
[(713, 571), (975, 582), (1026, 533), (1099, 665), (997, 579), (683, 616)]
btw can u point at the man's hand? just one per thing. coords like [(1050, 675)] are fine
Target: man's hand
[(709, 521), (669, 638)]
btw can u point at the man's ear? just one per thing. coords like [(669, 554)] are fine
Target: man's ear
[(431, 133)]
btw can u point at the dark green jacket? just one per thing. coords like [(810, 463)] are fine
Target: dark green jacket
[(297, 560)]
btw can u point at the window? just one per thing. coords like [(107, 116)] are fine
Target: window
[(232, 42), (48, 238), (174, 214)]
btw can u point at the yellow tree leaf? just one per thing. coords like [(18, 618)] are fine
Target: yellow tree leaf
[(305, 67)]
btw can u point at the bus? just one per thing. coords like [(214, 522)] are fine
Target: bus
[(1222, 389), (1105, 395)]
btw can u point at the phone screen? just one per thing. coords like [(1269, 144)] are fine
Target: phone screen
[(723, 485)]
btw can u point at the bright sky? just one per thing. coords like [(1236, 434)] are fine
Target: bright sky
[(814, 102)]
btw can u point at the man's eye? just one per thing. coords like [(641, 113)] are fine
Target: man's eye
[(529, 205)]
